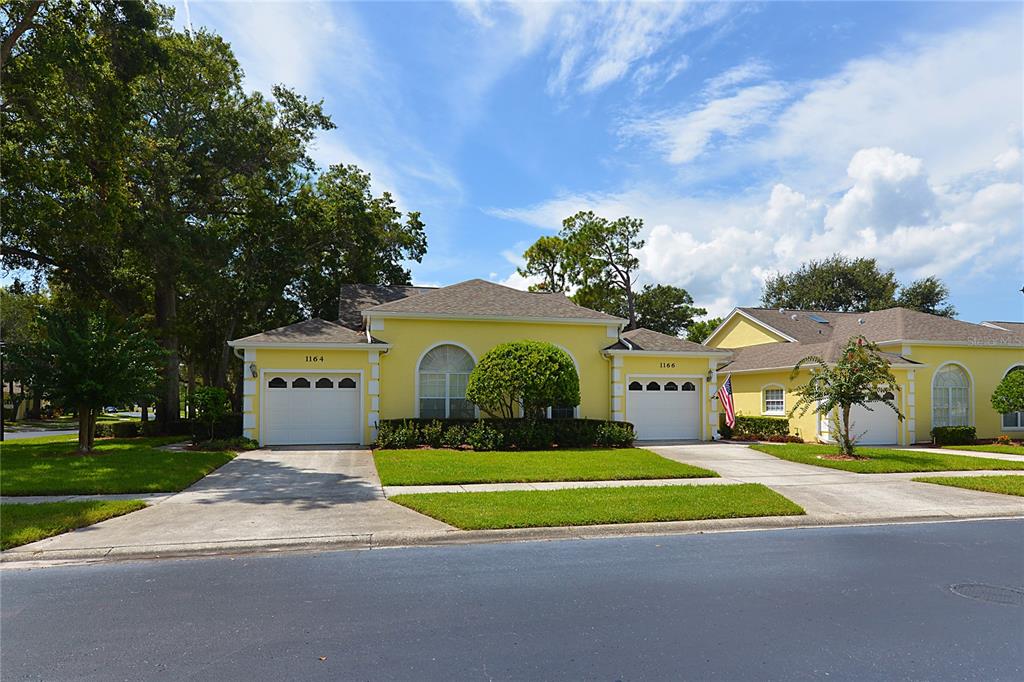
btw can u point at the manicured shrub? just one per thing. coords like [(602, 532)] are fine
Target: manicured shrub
[(523, 376), (395, 435), (724, 430), (453, 437), (530, 434), (125, 429), (1009, 394), (760, 427), (431, 432), (481, 436), (615, 435), (211, 405), (776, 438), (953, 435)]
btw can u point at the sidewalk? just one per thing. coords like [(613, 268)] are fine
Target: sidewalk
[(148, 498)]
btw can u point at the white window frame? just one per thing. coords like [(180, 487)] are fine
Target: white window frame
[(781, 412), (447, 381), (969, 395), (1020, 415)]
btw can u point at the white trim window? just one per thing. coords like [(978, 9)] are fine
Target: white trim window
[(1013, 421), (443, 377), (951, 394), (773, 400)]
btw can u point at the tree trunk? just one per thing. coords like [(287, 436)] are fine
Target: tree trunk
[(190, 391), (145, 414), (83, 429), (168, 407), (92, 428), (844, 435), (35, 410), (631, 307)]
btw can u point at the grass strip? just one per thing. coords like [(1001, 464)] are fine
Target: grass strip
[(438, 467), (884, 461), (50, 465), (24, 523), (595, 506), (991, 447), (1006, 485)]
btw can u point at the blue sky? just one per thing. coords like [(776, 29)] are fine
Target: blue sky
[(749, 137)]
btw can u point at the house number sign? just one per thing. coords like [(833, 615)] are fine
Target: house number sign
[(314, 358), (665, 365)]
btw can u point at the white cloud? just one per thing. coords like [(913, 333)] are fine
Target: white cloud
[(750, 70), (685, 136), (723, 248)]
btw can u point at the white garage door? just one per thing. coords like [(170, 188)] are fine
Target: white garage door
[(663, 409), (879, 425), (310, 409)]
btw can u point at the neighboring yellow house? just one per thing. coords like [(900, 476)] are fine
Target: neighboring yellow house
[(946, 369), (400, 352)]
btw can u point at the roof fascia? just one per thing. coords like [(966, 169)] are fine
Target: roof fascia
[(368, 314)]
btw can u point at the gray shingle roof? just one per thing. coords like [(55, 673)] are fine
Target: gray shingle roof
[(355, 298), (786, 355), (310, 331), (891, 324), (648, 340), (480, 298), (1016, 327)]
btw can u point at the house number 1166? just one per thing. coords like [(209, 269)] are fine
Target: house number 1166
[(667, 364)]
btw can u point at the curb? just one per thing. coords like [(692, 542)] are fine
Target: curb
[(11, 559)]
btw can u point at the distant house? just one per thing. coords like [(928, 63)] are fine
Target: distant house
[(946, 369)]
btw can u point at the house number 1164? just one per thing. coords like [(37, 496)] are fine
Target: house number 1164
[(314, 358)]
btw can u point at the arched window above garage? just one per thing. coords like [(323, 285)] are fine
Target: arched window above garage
[(301, 382), (347, 382), (277, 382), (324, 382)]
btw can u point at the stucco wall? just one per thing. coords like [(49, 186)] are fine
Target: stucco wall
[(412, 338), (740, 332)]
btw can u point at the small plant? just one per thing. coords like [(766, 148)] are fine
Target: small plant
[(211, 406), (1004, 440), (615, 435), (392, 435), (483, 437), (431, 432), (453, 437)]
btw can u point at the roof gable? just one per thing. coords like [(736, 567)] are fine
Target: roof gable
[(315, 331), (647, 340), (477, 298)]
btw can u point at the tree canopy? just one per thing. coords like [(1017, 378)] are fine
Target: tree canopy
[(860, 376), (843, 284), (1009, 394), (526, 375)]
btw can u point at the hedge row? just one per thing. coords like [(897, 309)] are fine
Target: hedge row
[(228, 427), (761, 428), (954, 435), (504, 434)]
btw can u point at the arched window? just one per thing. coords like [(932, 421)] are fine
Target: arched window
[(324, 382), (444, 373), (671, 386), (688, 386), (636, 386), (951, 389), (277, 382), (301, 382), (1014, 420), (347, 382), (773, 400), (653, 386)]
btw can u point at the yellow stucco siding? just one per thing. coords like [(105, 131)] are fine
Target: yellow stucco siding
[(985, 367), (310, 360), (740, 332), (748, 395), (627, 368), (412, 338)]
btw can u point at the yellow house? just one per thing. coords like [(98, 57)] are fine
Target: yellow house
[(946, 369), (401, 352)]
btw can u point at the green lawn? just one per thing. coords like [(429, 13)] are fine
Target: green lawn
[(593, 506), (50, 466), (991, 447), (882, 460), (435, 467), (24, 523), (1007, 485)]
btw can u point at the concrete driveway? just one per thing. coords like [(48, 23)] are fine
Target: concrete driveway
[(834, 496), (280, 497)]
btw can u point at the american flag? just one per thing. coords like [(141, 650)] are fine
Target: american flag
[(725, 400)]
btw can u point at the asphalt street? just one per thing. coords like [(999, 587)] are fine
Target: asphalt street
[(838, 603)]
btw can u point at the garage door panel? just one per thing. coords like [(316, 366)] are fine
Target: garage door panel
[(877, 426), (297, 415), (660, 414)]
